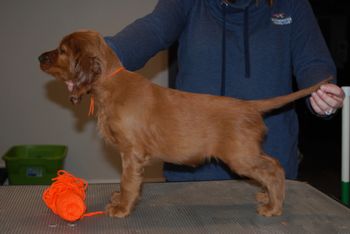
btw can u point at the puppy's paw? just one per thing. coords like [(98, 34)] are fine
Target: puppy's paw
[(262, 197), (116, 210), (268, 211)]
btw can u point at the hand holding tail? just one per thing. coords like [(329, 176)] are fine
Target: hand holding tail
[(327, 99)]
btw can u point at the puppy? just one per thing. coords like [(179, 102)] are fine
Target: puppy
[(146, 121)]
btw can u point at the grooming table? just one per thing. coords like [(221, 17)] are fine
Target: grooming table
[(195, 207)]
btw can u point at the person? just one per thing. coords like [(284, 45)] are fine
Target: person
[(248, 49)]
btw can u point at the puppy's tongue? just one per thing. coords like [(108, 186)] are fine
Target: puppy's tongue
[(70, 85)]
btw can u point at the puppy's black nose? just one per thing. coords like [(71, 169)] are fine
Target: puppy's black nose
[(48, 57), (43, 58)]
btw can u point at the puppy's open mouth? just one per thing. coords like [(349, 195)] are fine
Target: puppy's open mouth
[(74, 98), (70, 85), (76, 92)]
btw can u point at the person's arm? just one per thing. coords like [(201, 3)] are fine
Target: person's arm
[(311, 59), (142, 39)]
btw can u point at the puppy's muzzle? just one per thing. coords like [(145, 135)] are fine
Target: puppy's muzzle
[(47, 59)]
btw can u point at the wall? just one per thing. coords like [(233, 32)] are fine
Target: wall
[(35, 108)]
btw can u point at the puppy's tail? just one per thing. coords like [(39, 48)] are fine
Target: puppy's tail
[(267, 105)]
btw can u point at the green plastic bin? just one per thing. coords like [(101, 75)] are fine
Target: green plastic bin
[(34, 164)]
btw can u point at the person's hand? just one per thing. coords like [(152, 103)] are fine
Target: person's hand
[(327, 99)]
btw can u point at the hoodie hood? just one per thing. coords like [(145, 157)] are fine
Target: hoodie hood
[(234, 10), (235, 16), (238, 4)]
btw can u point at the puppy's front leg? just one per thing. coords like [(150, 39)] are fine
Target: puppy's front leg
[(123, 202)]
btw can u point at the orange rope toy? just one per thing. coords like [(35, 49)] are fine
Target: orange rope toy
[(66, 196)]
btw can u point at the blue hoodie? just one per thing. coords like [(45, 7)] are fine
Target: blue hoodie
[(246, 50)]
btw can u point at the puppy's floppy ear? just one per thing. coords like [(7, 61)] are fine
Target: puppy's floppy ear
[(87, 69)]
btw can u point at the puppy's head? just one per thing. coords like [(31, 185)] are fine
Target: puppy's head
[(77, 61)]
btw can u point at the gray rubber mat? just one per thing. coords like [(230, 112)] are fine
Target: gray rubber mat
[(197, 207)]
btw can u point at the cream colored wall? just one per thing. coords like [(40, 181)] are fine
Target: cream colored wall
[(34, 107)]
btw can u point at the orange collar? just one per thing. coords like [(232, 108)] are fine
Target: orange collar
[(92, 99)]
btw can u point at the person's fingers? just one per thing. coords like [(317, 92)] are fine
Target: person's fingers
[(324, 106), (315, 107), (334, 92), (327, 101), (333, 89)]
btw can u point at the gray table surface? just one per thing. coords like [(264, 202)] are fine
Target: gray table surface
[(195, 207)]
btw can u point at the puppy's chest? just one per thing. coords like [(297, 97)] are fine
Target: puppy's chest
[(107, 126)]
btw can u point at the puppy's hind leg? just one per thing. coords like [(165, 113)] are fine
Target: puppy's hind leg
[(272, 178), (130, 186), (268, 172)]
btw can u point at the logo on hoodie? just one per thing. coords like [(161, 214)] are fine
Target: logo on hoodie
[(281, 19)]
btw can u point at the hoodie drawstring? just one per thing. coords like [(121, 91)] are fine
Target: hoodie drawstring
[(246, 43)]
